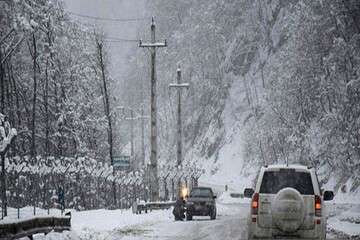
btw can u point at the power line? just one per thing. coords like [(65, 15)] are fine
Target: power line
[(105, 39), (115, 39), (107, 19)]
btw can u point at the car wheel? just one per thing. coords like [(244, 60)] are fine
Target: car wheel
[(213, 215), (188, 217)]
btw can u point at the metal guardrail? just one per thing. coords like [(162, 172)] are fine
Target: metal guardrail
[(29, 227), (138, 208)]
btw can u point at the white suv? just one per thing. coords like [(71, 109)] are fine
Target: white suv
[(287, 203)]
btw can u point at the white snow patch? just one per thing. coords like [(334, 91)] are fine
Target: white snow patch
[(226, 198), (67, 235), (108, 220), (349, 228), (347, 197), (230, 166)]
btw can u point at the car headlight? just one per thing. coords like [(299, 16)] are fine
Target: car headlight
[(184, 191)]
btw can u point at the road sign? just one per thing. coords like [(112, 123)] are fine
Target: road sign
[(121, 162)]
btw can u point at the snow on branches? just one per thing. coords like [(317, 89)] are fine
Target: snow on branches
[(7, 133)]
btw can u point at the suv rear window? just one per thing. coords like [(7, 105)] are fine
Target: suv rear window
[(274, 181), (201, 192)]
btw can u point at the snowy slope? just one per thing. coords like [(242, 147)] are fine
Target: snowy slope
[(229, 166)]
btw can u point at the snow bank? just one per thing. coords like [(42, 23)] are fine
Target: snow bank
[(344, 219), (343, 227), (105, 224), (109, 220), (57, 236)]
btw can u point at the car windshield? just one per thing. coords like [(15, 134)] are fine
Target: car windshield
[(201, 192), (274, 181)]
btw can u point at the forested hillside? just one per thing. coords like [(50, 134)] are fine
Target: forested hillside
[(271, 81), (51, 83), (56, 91)]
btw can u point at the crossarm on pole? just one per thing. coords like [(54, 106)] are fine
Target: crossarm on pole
[(158, 44), (180, 85)]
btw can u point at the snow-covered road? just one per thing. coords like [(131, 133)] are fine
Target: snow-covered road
[(230, 224), (114, 225)]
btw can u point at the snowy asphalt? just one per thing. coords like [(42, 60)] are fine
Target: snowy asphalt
[(228, 225), (99, 225), (231, 223)]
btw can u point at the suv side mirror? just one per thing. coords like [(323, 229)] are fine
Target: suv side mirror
[(328, 195), (248, 192)]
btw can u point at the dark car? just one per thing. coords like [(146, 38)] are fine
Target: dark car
[(201, 202)]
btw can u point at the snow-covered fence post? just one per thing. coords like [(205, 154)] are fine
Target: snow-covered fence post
[(173, 188), (121, 195), (118, 180), (173, 177), (138, 184), (133, 193), (144, 189), (129, 190), (17, 189), (122, 191), (7, 135), (98, 177), (109, 178), (165, 185), (126, 193)]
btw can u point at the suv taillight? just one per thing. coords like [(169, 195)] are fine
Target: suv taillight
[(317, 206), (255, 204)]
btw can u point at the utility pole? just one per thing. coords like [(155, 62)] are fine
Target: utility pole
[(154, 181), (132, 135), (178, 85), (142, 136)]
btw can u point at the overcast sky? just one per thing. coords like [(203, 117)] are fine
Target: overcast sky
[(127, 30)]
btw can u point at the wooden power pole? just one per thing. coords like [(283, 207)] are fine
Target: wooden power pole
[(132, 149), (154, 181), (179, 86), (142, 137)]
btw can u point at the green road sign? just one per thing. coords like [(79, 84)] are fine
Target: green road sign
[(121, 162)]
